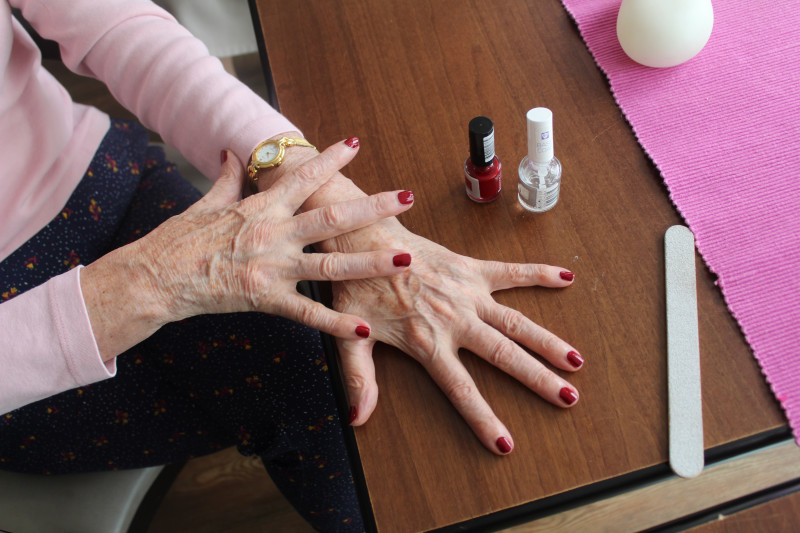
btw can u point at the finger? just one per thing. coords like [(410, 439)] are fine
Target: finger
[(507, 275), (315, 315), (506, 355), (520, 328), (293, 188), (358, 370), (333, 220), (343, 266), (459, 387), (227, 188)]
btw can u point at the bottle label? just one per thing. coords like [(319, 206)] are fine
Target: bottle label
[(544, 145), (488, 147), (473, 186), (540, 199), (546, 198), (483, 190)]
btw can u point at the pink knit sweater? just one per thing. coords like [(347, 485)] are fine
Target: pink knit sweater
[(156, 69)]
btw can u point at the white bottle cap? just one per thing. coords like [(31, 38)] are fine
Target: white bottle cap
[(540, 135)]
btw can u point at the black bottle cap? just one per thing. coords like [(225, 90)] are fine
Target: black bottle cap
[(481, 141)]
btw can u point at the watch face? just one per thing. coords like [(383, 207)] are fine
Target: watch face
[(268, 152)]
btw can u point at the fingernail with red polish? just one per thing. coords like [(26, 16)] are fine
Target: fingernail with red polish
[(353, 414), (362, 331), (406, 197), (402, 260), (223, 156), (566, 275), (568, 395), (575, 359), (503, 445), (352, 142)]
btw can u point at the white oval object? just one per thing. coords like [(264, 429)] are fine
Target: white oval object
[(664, 33)]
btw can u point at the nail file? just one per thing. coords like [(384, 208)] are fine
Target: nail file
[(683, 355)]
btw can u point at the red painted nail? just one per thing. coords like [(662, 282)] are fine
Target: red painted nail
[(503, 445), (353, 414), (566, 275), (402, 260), (223, 156), (575, 359), (406, 197), (352, 142), (362, 331), (568, 395)]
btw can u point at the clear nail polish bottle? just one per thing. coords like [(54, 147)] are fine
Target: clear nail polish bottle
[(539, 171)]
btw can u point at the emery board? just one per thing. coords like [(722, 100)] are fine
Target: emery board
[(683, 355)]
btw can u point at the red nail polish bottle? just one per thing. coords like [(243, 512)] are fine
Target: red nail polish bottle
[(482, 170)]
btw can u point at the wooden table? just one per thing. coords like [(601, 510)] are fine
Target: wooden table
[(406, 77)]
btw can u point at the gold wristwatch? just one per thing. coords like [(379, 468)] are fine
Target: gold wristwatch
[(271, 153)]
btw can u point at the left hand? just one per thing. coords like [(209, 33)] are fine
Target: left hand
[(440, 304)]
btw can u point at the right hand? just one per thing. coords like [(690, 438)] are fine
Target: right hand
[(225, 254)]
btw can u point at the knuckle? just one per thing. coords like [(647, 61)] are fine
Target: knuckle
[(460, 392), (328, 266), (513, 323), (309, 171), (550, 343), (309, 314), (382, 203), (333, 216), (462, 263), (516, 272), (539, 273), (355, 383), (537, 380), (422, 341), (503, 355)]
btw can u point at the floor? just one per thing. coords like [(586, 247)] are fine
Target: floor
[(224, 492)]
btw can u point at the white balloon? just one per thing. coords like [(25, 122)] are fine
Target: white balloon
[(664, 33)]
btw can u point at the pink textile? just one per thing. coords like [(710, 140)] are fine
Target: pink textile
[(724, 130)]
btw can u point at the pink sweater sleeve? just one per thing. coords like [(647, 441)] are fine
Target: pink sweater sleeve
[(159, 71), (166, 77), (53, 347)]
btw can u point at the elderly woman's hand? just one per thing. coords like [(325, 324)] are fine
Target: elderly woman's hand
[(225, 254), (443, 303)]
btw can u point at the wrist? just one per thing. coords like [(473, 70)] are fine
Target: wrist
[(120, 297)]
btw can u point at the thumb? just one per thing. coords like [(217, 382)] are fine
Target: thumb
[(358, 371), (227, 188)]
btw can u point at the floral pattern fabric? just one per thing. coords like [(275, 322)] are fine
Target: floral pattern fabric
[(256, 381)]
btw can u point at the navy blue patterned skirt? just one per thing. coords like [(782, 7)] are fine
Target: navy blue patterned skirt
[(255, 381)]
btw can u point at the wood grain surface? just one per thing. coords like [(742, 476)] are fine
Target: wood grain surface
[(406, 77)]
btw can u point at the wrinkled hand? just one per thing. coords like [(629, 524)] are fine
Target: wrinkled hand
[(225, 254), (440, 304)]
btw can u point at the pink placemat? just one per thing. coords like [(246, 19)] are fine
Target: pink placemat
[(724, 131)]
